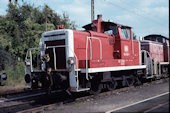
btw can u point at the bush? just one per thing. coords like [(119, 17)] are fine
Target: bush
[(15, 75), (5, 58)]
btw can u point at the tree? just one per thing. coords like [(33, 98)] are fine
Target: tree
[(15, 1), (4, 58), (22, 26)]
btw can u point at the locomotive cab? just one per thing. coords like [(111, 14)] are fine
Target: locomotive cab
[(122, 37), (157, 48)]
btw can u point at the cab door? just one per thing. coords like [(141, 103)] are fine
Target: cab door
[(126, 45)]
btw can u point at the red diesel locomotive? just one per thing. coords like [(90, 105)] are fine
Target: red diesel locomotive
[(155, 54), (102, 56)]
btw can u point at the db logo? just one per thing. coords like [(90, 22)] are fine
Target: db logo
[(126, 48)]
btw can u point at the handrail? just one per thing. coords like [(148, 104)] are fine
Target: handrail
[(76, 70), (88, 38), (86, 56), (30, 53), (100, 46), (30, 49), (53, 47), (149, 57), (76, 63), (56, 46), (55, 67)]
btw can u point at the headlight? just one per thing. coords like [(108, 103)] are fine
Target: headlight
[(71, 60), (4, 76)]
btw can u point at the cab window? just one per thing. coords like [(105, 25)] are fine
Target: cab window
[(164, 40), (148, 38), (126, 33), (159, 39), (110, 30)]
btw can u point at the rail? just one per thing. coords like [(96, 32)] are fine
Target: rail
[(88, 39), (53, 47), (29, 52), (30, 60), (145, 57)]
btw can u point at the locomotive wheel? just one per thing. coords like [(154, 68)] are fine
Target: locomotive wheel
[(130, 81), (112, 85), (137, 81), (96, 86)]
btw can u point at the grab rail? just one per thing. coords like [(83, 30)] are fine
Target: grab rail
[(88, 38)]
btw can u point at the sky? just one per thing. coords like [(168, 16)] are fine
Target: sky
[(144, 16)]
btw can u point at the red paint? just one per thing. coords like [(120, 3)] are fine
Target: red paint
[(157, 46), (116, 50), (166, 51), (155, 49), (60, 26)]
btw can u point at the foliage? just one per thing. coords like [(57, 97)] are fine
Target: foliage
[(22, 26), (15, 74), (20, 29), (4, 58)]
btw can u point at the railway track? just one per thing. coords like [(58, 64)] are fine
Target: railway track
[(41, 102), (17, 92), (26, 96), (12, 91), (15, 104)]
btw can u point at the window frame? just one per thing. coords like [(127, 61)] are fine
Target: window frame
[(111, 31), (126, 33)]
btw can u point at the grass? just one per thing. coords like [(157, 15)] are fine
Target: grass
[(15, 76)]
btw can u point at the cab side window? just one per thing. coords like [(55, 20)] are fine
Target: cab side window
[(159, 39), (126, 33), (110, 30)]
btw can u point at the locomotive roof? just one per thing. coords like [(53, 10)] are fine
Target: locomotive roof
[(156, 35), (113, 23), (89, 26)]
